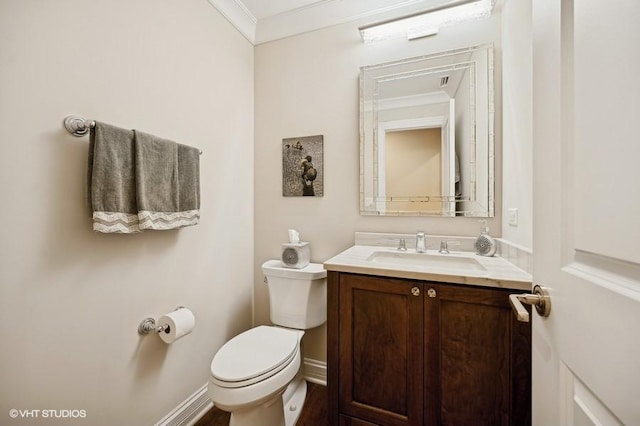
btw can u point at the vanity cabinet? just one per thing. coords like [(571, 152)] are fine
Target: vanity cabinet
[(409, 352)]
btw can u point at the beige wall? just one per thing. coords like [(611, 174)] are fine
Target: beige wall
[(71, 299), (413, 167), (517, 127), (308, 85)]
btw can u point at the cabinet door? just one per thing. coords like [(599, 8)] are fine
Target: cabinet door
[(482, 354), (350, 421), (381, 349)]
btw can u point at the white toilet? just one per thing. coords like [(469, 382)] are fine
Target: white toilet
[(257, 375)]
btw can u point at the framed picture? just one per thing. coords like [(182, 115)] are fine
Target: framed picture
[(303, 166)]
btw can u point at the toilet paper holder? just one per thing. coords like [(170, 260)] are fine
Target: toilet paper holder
[(148, 325)]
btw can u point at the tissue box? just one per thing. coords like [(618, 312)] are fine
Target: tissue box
[(295, 255)]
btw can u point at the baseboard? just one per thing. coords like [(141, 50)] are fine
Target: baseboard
[(194, 407), (189, 411), (315, 371)]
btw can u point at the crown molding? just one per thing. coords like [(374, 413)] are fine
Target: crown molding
[(317, 15), (239, 16)]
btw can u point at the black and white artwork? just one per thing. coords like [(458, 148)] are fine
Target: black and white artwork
[(302, 167)]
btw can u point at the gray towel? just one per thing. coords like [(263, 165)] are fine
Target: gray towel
[(138, 181), (167, 183), (112, 180)]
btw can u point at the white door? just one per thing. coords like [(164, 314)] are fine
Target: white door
[(586, 121), (449, 169)]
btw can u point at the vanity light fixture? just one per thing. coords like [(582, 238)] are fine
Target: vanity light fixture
[(427, 23)]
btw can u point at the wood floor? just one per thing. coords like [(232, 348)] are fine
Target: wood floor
[(314, 412)]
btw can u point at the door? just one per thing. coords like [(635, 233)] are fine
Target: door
[(586, 114), (450, 172), (477, 358), (381, 347)]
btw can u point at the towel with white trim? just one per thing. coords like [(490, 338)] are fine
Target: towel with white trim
[(137, 181)]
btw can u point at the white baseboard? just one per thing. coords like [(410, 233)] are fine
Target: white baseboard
[(315, 371), (194, 407), (189, 411)]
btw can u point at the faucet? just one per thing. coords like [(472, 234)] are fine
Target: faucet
[(421, 242)]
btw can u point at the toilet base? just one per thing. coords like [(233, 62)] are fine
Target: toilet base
[(293, 399), (270, 413), (283, 410)]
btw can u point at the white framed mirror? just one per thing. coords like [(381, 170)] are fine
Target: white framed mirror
[(427, 135)]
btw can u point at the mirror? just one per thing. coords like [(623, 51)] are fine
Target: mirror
[(427, 136)]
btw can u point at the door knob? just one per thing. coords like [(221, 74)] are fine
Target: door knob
[(540, 299)]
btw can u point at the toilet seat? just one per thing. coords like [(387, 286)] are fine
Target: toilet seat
[(254, 355)]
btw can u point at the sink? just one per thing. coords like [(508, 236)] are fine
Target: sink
[(448, 262)]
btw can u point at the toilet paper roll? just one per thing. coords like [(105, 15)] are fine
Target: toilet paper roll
[(180, 323)]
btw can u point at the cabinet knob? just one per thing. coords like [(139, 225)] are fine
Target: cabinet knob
[(415, 291), (431, 292)]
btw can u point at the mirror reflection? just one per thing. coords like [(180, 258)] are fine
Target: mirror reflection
[(426, 135)]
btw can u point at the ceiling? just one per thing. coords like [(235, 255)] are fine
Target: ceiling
[(261, 21)]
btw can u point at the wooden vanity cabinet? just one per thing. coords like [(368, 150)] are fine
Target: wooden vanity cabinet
[(408, 352)]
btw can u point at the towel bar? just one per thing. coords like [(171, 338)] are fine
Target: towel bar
[(79, 126)]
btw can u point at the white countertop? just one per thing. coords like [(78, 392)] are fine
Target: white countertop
[(499, 272)]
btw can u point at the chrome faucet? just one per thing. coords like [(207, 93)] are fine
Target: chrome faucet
[(421, 242)]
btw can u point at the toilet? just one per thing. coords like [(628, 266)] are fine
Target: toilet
[(257, 375)]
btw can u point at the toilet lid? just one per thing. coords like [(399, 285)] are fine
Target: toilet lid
[(254, 353)]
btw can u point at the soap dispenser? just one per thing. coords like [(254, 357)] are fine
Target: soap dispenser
[(485, 244)]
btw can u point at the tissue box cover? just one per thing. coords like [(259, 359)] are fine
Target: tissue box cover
[(295, 255)]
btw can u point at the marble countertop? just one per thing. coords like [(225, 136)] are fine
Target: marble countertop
[(499, 273)]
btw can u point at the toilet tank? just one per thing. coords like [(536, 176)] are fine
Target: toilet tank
[(297, 297)]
